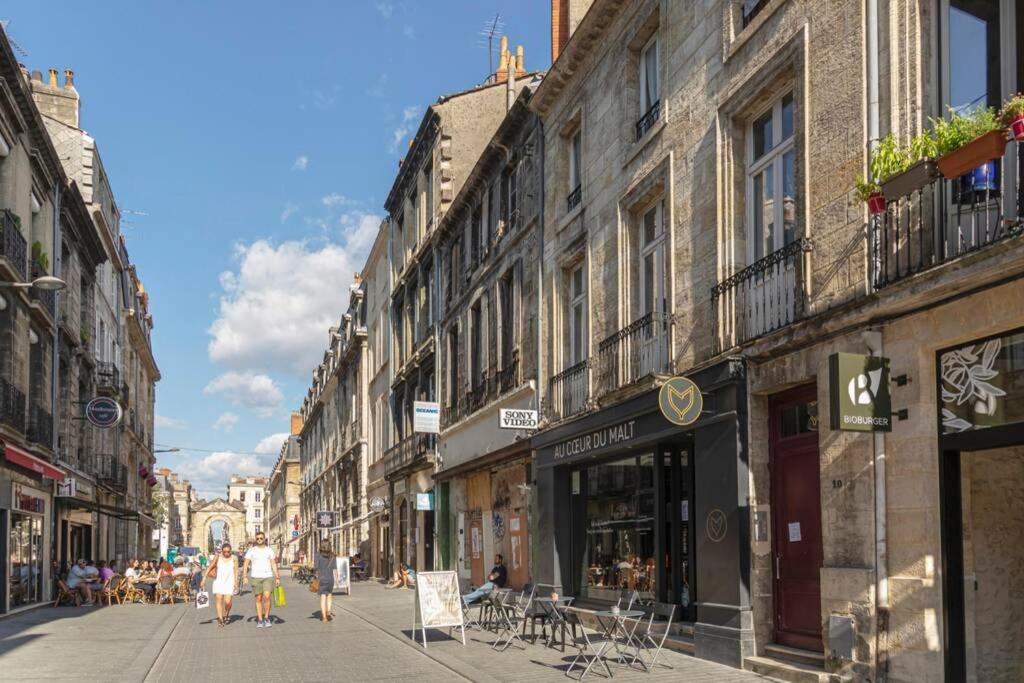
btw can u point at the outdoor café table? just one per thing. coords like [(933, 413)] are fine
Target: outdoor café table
[(613, 624), (552, 615)]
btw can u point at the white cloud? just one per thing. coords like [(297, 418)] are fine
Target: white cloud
[(288, 211), (409, 115), (409, 32), (276, 307), (271, 445), (169, 422), (335, 199), (248, 389), (226, 422), (386, 9), (301, 163), (209, 474)]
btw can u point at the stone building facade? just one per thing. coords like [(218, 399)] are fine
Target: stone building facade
[(489, 248), (281, 499), (248, 490)]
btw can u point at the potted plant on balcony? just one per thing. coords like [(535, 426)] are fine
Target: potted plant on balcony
[(40, 260), (887, 159), (905, 170), (966, 143), (1012, 116)]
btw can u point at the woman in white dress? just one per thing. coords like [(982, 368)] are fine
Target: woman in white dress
[(224, 570)]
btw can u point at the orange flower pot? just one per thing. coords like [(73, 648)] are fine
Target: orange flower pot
[(988, 147)]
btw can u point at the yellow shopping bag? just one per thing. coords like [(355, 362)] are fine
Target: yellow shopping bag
[(279, 600)]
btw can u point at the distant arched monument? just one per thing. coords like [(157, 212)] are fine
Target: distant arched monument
[(216, 521)]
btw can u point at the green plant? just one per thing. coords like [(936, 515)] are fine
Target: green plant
[(39, 256), (1013, 109), (887, 159), (83, 334), (956, 131)]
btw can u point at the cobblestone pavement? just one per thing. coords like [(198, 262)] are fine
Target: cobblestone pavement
[(368, 640)]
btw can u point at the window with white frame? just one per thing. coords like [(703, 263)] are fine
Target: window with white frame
[(650, 86), (771, 180), (651, 297), (577, 318)]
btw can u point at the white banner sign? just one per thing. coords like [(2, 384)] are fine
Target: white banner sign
[(344, 582), (509, 418), (426, 417), (438, 603)]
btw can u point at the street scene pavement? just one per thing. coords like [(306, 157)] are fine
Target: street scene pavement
[(368, 640)]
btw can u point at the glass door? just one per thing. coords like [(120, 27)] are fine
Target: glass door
[(677, 571)]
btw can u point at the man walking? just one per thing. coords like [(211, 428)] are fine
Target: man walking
[(263, 576), (496, 579)]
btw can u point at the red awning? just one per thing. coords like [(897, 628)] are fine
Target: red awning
[(29, 461)]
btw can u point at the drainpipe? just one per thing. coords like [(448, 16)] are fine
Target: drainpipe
[(873, 340), (538, 337), (54, 373)]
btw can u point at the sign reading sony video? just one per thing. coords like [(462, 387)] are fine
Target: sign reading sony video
[(859, 393), (511, 418), (426, 417)]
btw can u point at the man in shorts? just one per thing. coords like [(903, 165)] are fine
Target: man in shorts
[(263, 576)]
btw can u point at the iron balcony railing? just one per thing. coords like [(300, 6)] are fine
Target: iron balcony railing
[(47, 298), (12, 406), (108, 377), (476, 397), (13, 246), (508, 377), (648, 120), (411, 450), (574, 198), (108, 471), (567, 392), (763, 297), (40, 426), (637, 350), (947, 219)]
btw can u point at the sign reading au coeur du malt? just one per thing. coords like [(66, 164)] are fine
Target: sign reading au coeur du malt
[(859, 393)]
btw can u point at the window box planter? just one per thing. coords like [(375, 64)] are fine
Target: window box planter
[(909, 181), (988, 147), (876, 204)]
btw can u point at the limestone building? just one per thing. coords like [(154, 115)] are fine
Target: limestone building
[(248, 491), (282, 497)]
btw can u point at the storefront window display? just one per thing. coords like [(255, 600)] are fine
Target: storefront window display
[(619, 554), (26, 555)]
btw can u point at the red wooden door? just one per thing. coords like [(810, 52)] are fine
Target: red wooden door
[(796, 515)]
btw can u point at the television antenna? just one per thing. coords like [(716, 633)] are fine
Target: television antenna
[(491, 28), (17, 48)]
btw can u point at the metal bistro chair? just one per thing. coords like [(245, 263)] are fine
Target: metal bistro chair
[(655, 634), (536, 612), (585, 643), (490, 605), (511, 614), (556, 619)]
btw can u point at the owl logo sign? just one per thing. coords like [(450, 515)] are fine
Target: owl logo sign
[(680, 401)]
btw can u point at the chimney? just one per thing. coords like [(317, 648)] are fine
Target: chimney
[(520, 65), (53, 78), (69, 79), (503, 59), (296, 423), (510, 88), (566, 15), (60, 103)]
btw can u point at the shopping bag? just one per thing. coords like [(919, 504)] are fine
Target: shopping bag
[(279, 600), (202, 599)]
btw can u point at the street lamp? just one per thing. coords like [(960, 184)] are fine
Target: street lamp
[(48, 282)]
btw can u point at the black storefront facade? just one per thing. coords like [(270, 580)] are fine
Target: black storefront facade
[(628, 501)]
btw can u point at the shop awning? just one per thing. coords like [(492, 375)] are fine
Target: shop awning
[(147, 520), (31, 462), (109, 510)]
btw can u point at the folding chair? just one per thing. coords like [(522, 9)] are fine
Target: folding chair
[(537, 613), (511, 611), (655, 634), (584, 642), (64, 594)]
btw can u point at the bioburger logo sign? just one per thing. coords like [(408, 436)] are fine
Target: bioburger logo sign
[(859, 393)]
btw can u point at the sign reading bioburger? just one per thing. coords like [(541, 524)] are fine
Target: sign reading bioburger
[(859, 393)]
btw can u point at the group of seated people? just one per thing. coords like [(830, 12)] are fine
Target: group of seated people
[(86, 577), (629, 573)]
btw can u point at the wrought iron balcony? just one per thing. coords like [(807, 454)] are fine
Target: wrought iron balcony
[(13, 246), (567, 392), (410, 451), (508, 378), (947, 219), (108, 377), (12, 406), (637, 350), (648, 120), (763, 297), (109, 472), (40, 426), (47, 298), (574, 198)]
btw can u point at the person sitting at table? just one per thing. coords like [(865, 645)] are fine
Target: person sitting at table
[(165, 570), (146, 578), (179, 567), (78, 581), (496, 579), (403, 577)]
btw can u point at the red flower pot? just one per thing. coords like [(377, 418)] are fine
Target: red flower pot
[(151, 481), (143, 471), (1017, 128), (876, 204)]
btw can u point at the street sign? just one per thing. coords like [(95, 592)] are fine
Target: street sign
[(509, 418), (859, 399), (103, 412), (295, 533), (377, 504), (326, 519), (424, 501), (426, 417), (67, 488)]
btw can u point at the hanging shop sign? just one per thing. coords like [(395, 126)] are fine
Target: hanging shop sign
[(377, 504), (426, 417), (326, 519), (103, 412), (27, 499), (859, 393), (424, 501), (680, 401), (510, 418)]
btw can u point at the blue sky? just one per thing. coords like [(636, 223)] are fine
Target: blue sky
[(259, 139)]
